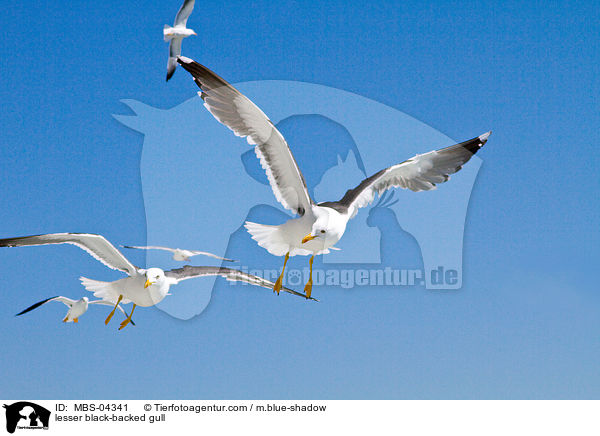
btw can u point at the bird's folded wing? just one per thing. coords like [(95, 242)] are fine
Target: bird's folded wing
[(190, 272), (420, 173), (96, 245), (244, 118), (184, 13)]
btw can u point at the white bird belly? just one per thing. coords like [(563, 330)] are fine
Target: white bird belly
[(132, 288), (77, 309)]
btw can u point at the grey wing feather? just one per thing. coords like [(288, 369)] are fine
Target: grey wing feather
[(420, 173), (245, 119), (95, 245), (184, 13), (190, 272)]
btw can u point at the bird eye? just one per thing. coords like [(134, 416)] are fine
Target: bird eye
[(322, 231)]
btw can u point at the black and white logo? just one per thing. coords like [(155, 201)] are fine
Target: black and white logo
[(26, 415)]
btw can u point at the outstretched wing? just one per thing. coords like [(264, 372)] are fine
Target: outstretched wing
[(174, 51), (65, 300), (149, 247), (190, 272), (95, 245), (184, 13), (207, 254), (244, 118), (174, 250), (419, 173)]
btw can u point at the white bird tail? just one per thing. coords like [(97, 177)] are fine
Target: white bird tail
[(103, 290), (268, 237), (168, 32)]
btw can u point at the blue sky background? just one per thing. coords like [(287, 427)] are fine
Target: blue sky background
[(524, 325)]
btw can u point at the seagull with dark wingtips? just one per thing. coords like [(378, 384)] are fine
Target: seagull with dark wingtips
[(319, 226), (179, 254), (76, 307), (175, 34)]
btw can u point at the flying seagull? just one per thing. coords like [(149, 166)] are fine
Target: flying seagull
[(319, 226), (176, 34), (76, 307), (142, 287), (178, 253)]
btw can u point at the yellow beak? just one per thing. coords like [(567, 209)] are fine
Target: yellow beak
[(147, 284), (308, 238)]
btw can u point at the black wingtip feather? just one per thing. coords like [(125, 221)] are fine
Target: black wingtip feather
[(36, 305)]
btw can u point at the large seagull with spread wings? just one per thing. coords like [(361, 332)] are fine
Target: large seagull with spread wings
[(319, 226)]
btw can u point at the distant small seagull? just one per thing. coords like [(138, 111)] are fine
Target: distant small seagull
[(143, 287), (76, 307), (176, 34), (178, 253), (319, 226)]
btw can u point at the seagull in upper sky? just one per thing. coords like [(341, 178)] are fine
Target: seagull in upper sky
[(176, 33), (179, 254), (142, 287), (76, 307), (319, 226)]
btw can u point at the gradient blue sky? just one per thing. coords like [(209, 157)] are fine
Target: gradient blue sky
[(524, 325)]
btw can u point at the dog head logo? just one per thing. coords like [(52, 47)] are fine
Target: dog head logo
[(24, 414)]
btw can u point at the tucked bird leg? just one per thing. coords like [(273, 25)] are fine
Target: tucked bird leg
[(279, 281), (308, 287), (128, 319), (110, 315), (75, 319)]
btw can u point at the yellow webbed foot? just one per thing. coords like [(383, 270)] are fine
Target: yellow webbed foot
[(308, 288), (278, 284), (128, 319)]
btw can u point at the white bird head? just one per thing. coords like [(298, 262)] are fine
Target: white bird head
[(328, 228), (154, 276)]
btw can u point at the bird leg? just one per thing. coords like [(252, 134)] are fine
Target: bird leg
[(75, 319), (308, 287), (113, 311), (279, 281), (128, 319)]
